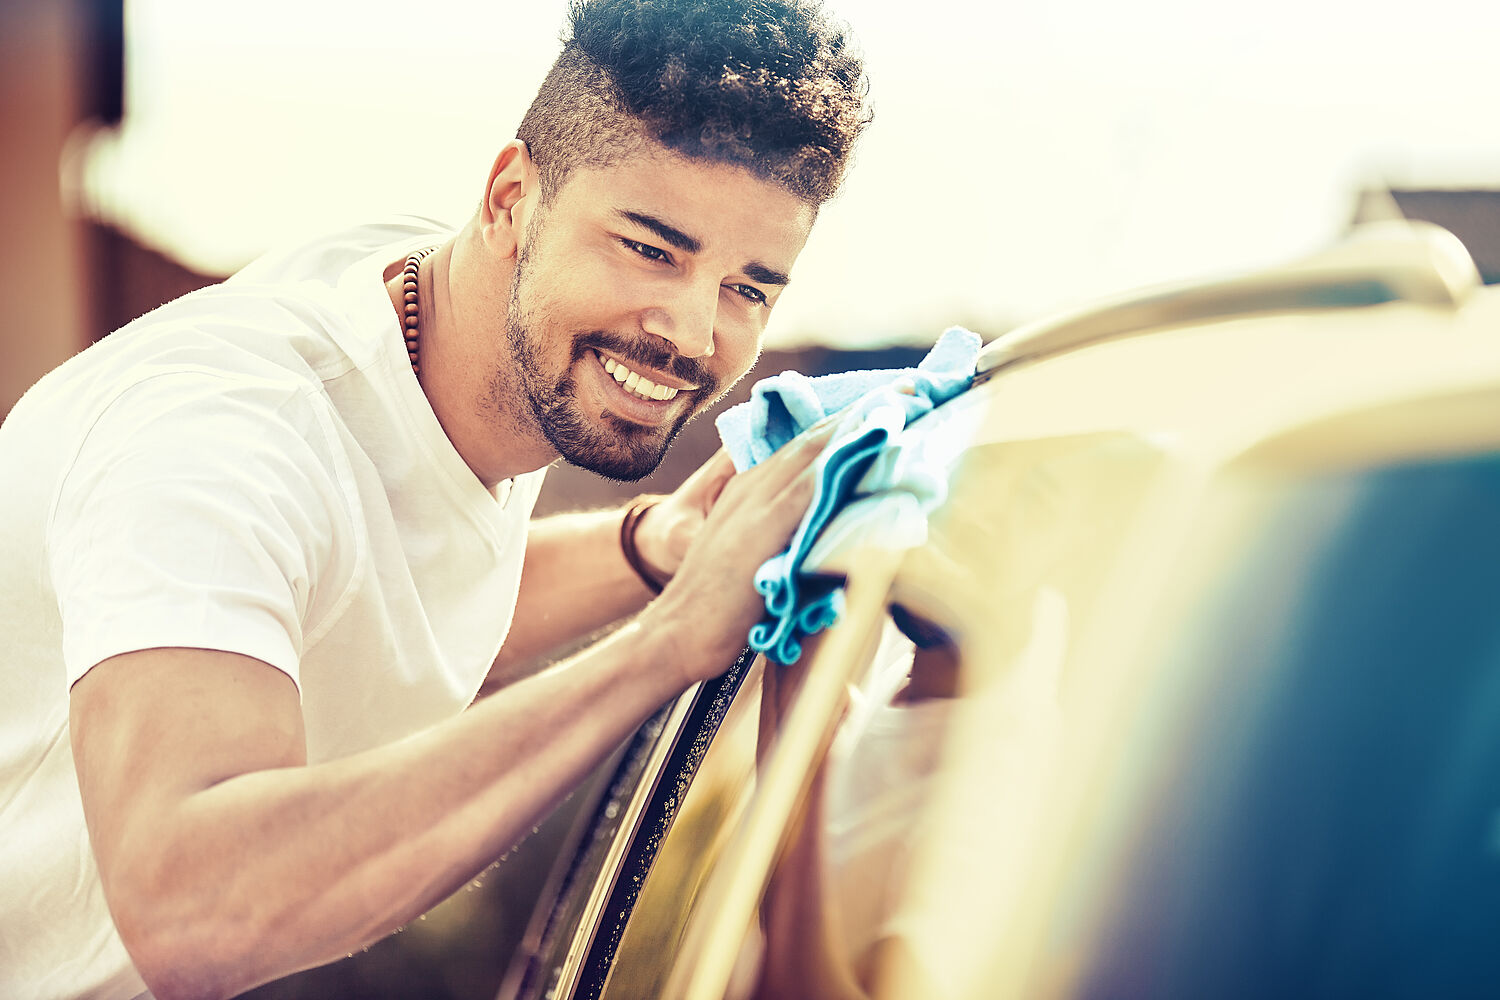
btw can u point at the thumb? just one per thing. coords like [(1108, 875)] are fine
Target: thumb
[(701, 490)]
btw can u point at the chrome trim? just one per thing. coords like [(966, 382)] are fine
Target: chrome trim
[(1413, 262), (590, 920)]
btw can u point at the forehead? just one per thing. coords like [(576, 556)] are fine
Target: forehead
[(724, 206)]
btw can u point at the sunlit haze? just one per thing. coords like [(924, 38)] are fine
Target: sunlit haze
[(1024, 157)]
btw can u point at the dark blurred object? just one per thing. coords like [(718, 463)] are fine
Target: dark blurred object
[(101, 31), (1471, 214), (1334, 833), (61, 68), (128, 279), (62, 80)]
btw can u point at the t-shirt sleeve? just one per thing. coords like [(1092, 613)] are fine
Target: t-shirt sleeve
[(200, 511)]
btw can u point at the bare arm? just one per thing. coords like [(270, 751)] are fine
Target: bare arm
[(574, 582), (227, 861), (575, 579)]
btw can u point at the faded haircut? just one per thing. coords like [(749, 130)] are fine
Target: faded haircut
[(774, 86)]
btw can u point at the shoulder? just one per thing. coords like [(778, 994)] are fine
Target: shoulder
[(239, 426), (201, 510), (227, 452)]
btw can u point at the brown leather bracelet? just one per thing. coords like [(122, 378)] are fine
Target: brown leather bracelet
[(634, 511)]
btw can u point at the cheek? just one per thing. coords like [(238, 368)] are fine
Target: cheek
[(735, 350), (587, 285), (609, 280), (606, 297)]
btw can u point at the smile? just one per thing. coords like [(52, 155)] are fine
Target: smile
[(634, 381)]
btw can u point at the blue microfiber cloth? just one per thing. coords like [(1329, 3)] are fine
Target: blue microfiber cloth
[(861, 462)]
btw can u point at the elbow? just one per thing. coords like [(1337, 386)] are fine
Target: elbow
[(182, 952), (172, 970)]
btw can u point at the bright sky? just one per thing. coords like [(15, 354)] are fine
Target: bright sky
[(1025, 157)]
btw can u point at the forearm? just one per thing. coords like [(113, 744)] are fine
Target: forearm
[(226, 861), (276, 870), (574, 582)]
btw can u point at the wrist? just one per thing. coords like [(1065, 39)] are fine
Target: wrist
[(683, 642), (631, 537)]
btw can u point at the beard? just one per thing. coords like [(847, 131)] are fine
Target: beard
[(608, 445)]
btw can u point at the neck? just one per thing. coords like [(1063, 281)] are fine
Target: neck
[(432, 303), (463, 297)]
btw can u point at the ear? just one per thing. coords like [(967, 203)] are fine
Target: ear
[(509, 198)]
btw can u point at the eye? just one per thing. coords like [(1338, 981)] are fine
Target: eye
[(750, 293), (645, 250)]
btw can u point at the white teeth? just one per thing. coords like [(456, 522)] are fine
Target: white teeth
[(639, 384)]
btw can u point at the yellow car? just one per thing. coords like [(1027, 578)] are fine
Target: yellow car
[(1202, 697)]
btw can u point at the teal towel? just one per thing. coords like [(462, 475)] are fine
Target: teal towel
[(859, 463)]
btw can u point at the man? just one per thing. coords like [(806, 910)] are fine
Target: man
[(259, 550)]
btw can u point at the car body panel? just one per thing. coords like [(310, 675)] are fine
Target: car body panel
[(1169, 552)]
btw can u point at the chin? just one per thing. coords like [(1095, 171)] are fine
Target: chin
[(622, 468), (617, 450)]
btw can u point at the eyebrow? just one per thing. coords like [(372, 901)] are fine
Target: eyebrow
[(756, 271), (668, 233)]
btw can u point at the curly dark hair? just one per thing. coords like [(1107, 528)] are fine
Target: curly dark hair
[(774, 86)]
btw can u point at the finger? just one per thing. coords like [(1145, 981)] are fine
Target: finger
[(793, 499), (775, 508), (819, 434), (701, 490), (762, 494), (800, 460), (717, 470), (716, 465), (791, 459), (823, 425)]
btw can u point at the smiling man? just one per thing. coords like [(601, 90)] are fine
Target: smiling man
[(260, 549), (638, 295)]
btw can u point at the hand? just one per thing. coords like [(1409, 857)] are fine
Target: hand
[(665, 532), (728, 525)]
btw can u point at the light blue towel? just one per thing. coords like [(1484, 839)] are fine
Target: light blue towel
[(860, 462)]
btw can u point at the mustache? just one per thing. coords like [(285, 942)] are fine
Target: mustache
[(647, 353)]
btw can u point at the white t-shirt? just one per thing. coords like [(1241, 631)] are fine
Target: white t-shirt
[(251, 468)]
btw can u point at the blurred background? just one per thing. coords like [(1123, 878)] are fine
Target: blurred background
[(1023, 158)]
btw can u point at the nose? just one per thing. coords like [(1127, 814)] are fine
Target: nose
[(684, 316)]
